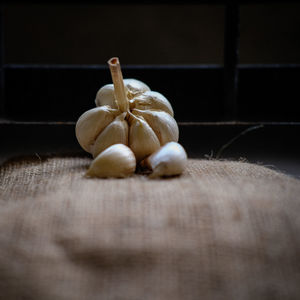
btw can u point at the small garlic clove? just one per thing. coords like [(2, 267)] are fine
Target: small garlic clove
[(91, 123), (142, 139), (115, 133), (106, 96), (115, 161), (169, 160), (151, 100), (164, 125)]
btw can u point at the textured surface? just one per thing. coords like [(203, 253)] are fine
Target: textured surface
[(223, 230)]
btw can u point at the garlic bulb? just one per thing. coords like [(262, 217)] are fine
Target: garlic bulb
[(169, 160), (128, 113), (115, 161)]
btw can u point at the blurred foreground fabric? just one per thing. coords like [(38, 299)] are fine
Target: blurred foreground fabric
[(223, 230)]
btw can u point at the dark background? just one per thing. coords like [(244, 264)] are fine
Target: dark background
[(148, 34), (58, 53)]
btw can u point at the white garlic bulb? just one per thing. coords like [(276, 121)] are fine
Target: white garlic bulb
[(169, 160), (128, 113), (115, 161)]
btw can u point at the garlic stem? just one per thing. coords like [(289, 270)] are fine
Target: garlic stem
[(117, 78)]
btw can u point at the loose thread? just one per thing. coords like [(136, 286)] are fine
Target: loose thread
[(220, 151), (37, 155)]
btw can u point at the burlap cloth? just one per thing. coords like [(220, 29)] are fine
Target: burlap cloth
[(223, 230)]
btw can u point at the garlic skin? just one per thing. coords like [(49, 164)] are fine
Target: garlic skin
[(152, 100), (164, 126), (169, 160), (91, 123), (115, 161), (142, 139), (115, 133), (105, 95)]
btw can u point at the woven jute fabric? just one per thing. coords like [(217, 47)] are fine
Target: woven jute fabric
[(223, 230)]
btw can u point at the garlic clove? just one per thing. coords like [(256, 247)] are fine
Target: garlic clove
[(115, 133), (151, 100), (115, 161), (164, 125), (91, 123), (169, 160), (135, 87), (106, 96), (142, 139)]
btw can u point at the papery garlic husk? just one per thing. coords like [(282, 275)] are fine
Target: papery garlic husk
[(142, 139), (151, 100), (105, 95), (115, 133), (115, 161), (91, 123), (169, 160), (163, 125)]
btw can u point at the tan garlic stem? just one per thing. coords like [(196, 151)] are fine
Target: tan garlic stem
[(117, 78)]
